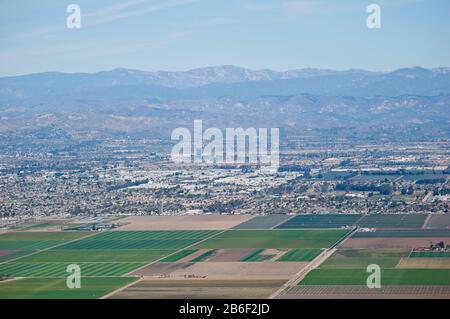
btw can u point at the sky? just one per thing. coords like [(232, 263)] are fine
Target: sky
[(184, 34)]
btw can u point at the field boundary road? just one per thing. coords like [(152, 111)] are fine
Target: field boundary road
[(425, 223), (122, 288)]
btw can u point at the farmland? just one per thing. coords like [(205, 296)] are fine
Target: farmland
[(274, 239), (97, 255), (251, 259), (404, 233), (256, 256), (36, 240), (55, 288), (428, 263), (430, 254), (361, 258), (263, 222), (320, 221), (389, 277), (104, 269), (179, 255), (141, 240), (300, 255), (439, 221), (393, 221), (200, 289)]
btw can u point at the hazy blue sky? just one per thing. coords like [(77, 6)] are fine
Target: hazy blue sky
[(184, 34)]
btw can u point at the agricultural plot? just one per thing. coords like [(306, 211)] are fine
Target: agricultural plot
[(189, 222), (404, 233), (257, 256), (37, 240), (359, 292), (179, 255), (204, 256), (430, 254), (182, 289), (108, 254), (300, 255), (51, 269), (274, 239), (395, 242), (6, 255), (320, 221), (393, 221), (431, 263), (263, 222), (238, 270), (413, 277), (56, 288), (162, 240), (361, 258), (227, 255), (439, 221), (96, 255)]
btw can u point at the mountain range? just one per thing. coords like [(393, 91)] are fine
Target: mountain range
[(124, 100)]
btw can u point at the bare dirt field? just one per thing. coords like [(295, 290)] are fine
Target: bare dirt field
[(200, 222), (391, 242), (160, 269), (229, 255), (362, 292), (433, 263), (240, 270), (222, 270), (192, 289)]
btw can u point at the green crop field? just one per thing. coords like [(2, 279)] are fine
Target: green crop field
[(97, 255), (300, 255), (393, 220), (263, 222), (52, 269), (256, 256), (274, 239), (6, 255), (388, 277), (404, 233), (141, 240), (179, 255), (62, 235), (361, 258), (56, 288), (37, 240), (320, 221), (430, 254)]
